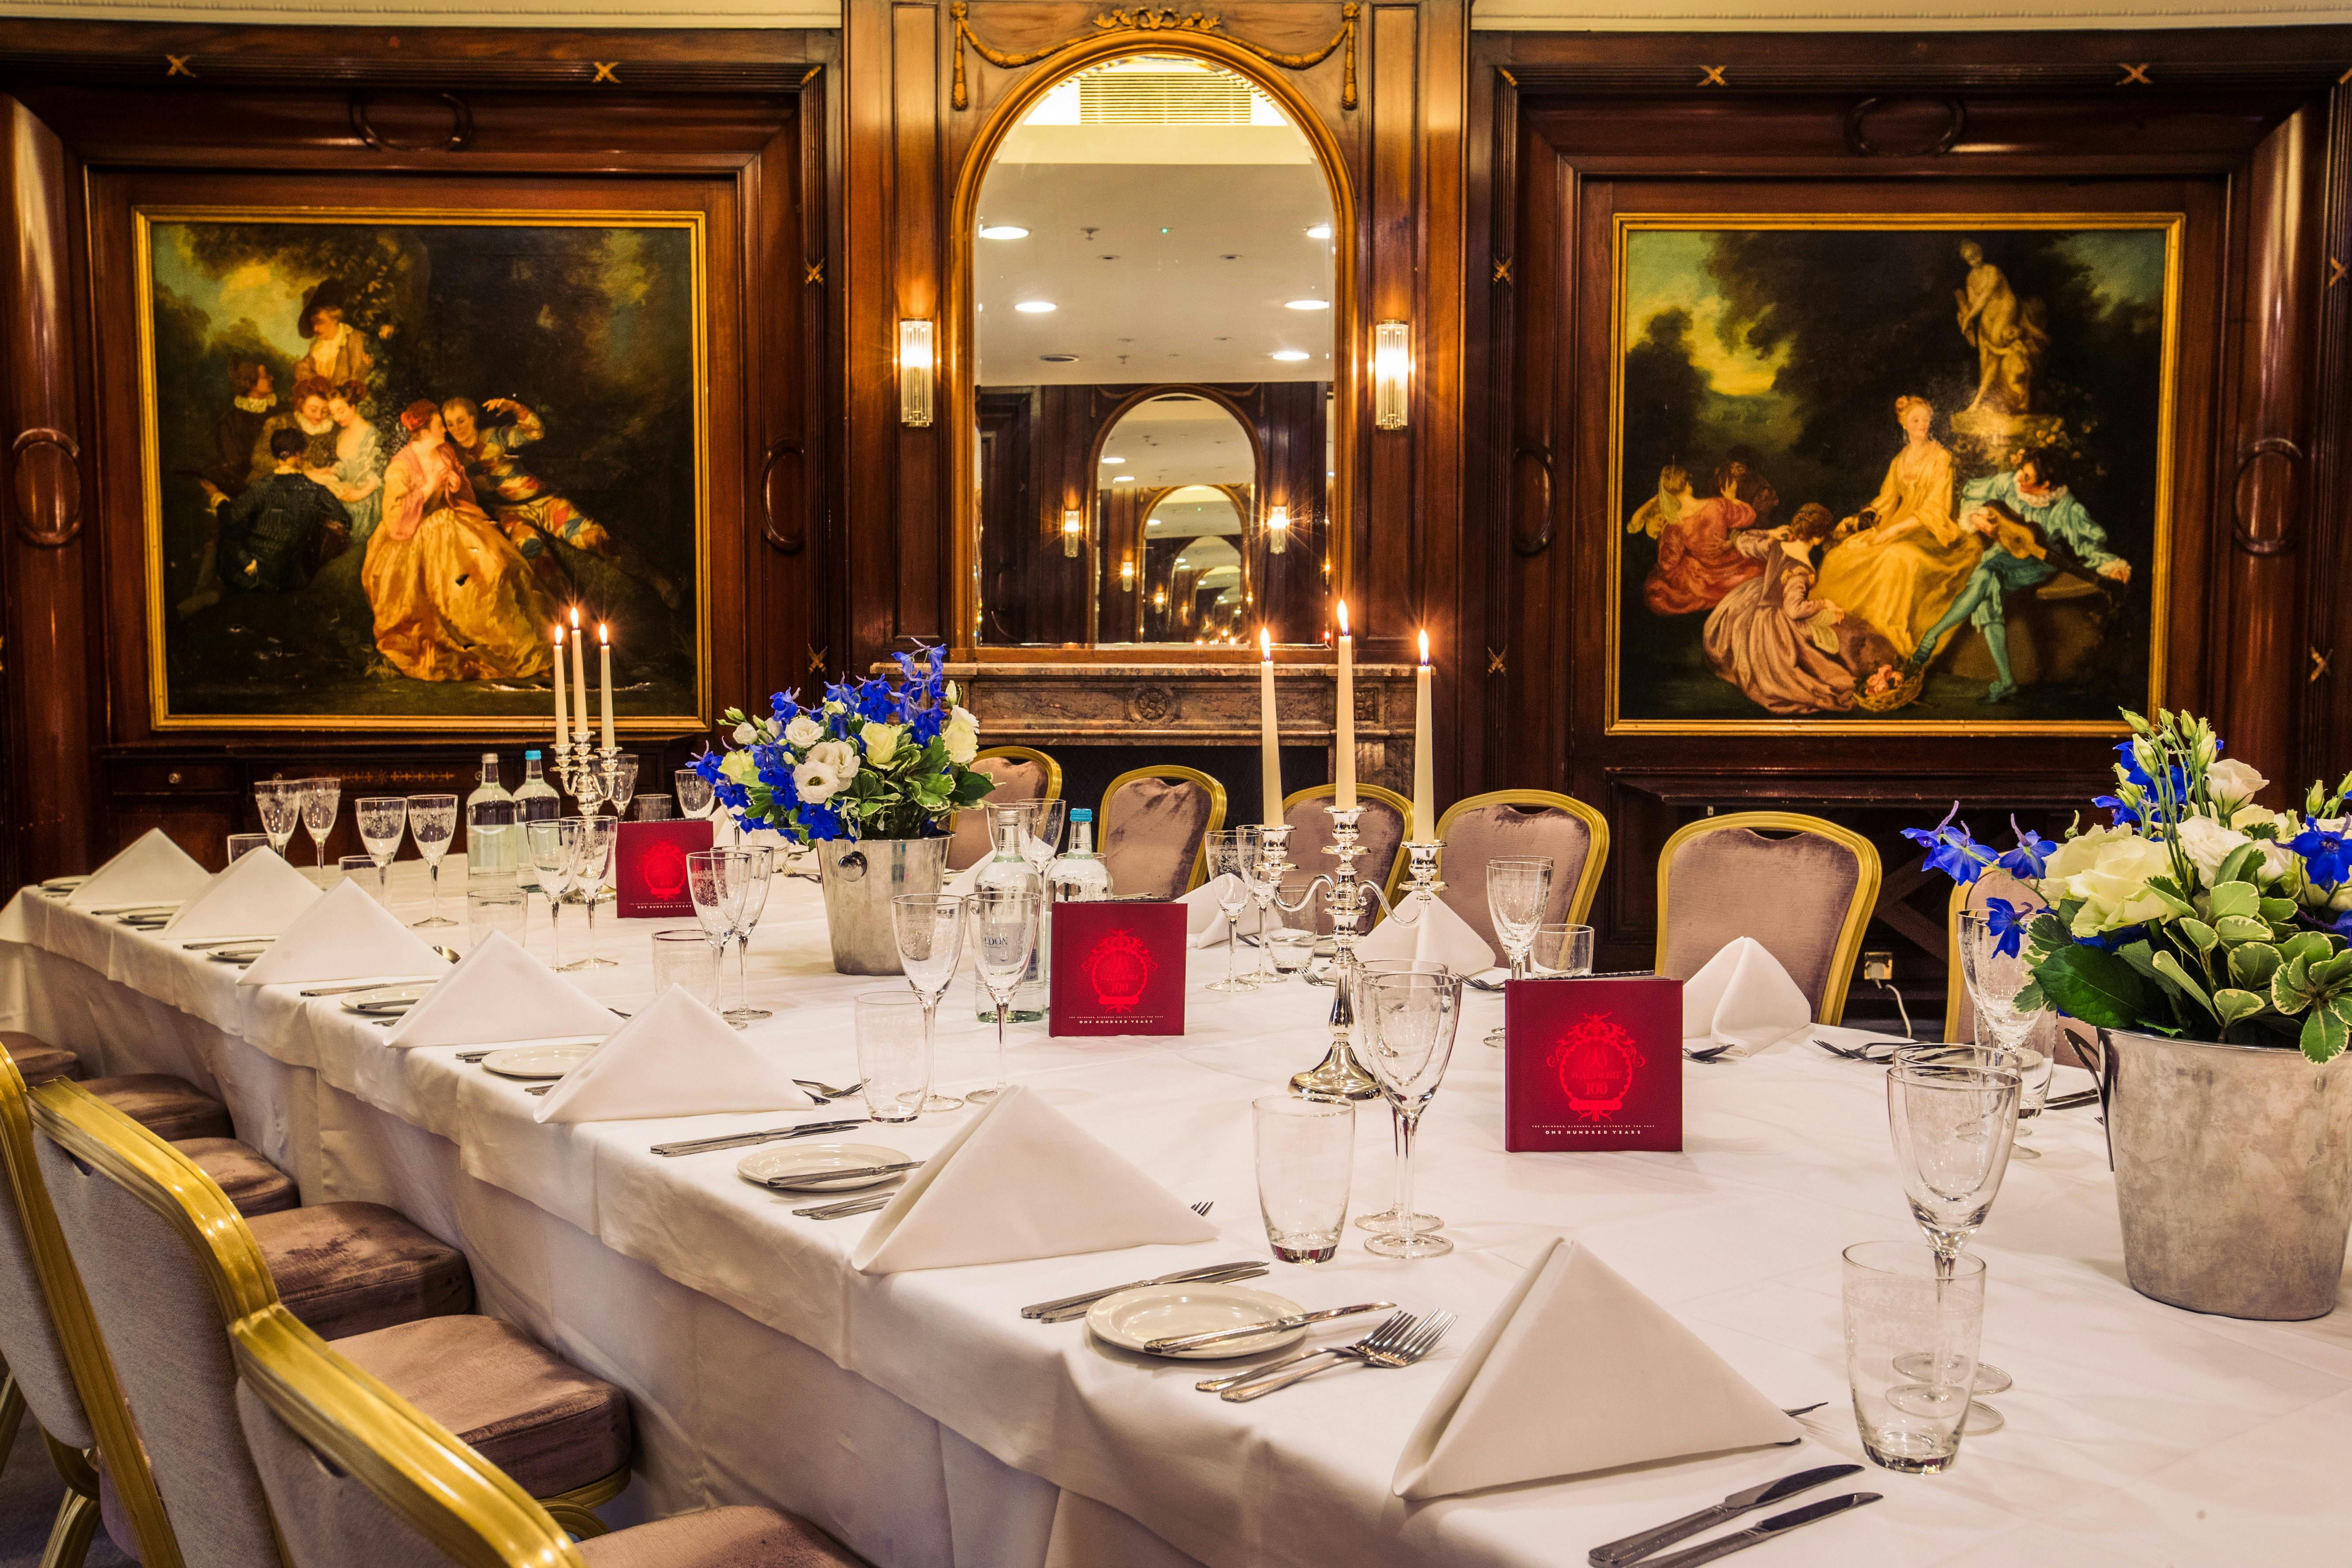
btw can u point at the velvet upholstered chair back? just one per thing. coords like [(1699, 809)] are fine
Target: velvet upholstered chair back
[(1381, 829), (1802, 886), (1154, 822), (1521, 822), (29, 1339), (168, 1266), (1020, 773)]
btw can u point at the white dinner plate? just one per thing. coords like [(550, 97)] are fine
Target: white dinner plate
[(1132, 1319), (63, 884), (803, 1169), (536, 1061), (237, 956), (384, 999)]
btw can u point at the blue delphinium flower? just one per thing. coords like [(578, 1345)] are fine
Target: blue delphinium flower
[(2121, 812), (2326, 857), (2007, 924), (1950, 849), (2031, 858)]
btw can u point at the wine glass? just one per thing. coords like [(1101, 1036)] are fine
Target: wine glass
[(717, 880), (620, 778), (1004, 937), (587, 855), (1994, 978), (929, 929), (762, 876), (1261, 890), (432, 822), (1231, 855), (1411, 1021), (1519, 888), (280, 803), (543, 838), (695, 796), (321, 799), (382, 821), (1361, 1001), (1954, 1123)]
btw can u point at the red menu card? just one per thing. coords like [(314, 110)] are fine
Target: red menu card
[(1118, 968), (1592, 1064), (649, 866)]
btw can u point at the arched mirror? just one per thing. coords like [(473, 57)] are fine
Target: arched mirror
[(1155, 294)]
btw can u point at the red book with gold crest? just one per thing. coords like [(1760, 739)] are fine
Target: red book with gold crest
[(1592, 1064), (1118, 968), (649, 867)]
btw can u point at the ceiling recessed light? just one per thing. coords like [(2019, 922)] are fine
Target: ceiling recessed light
[(1290, 356), (1114, 459), (1034, 307), (1298, 304), (1122, 478), (1320, 231), (1002, 231)]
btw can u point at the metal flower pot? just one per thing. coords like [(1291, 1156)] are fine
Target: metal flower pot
[(2233, 1173), (860, 876)]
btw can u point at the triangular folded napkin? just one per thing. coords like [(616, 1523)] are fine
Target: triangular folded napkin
[(346, 936), (153, 870), (499, 995), (1579, 1370), (1425, 928), (1744, 999), (1020, 1180), (1204, 921), (677, 1058), (259, 895)]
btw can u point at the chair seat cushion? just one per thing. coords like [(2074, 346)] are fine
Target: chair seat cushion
[(719, 1538), (170, 1108), (251, 1183), (37, 1059), (535, 1415), (346, 1268)]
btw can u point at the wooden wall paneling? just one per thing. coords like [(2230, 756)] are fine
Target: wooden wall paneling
[(2322, 682), (1440, 387), (1383, 536), (918, 195)]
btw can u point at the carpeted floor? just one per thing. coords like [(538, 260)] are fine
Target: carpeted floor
[(29, 1494)]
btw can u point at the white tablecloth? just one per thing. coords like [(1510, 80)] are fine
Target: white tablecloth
[(918, 1417)]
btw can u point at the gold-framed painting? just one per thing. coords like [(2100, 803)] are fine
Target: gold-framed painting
[(387, 450), (1890, 473)]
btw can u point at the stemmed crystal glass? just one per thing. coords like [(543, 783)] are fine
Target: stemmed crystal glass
[(321, 799), (695, 796), (382, 821), (432, 822), (930, 931), (1387, 1219), (755, 903), (1994, 979), (280, 802), (1518, 889), (1041, 836), (587, 855), (1410, 1021), (1261, 890), (543, 840), (620, 779), (1232, 854), (1954, 1124), (718, 881), (1004, 936)]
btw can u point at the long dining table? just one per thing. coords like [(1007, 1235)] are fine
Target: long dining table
[(919, 1418)]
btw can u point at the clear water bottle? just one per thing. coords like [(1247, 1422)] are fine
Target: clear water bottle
[(535, 801), (1008, 868), (492, 847), (1078, 875)]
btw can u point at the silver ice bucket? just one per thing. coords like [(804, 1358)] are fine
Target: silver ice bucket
[(860, 876)]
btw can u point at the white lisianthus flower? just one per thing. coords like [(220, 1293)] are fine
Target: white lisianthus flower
[(739, 767), (803, 731), (839, 756), (2232, 782), (962, 739), (2077, 854), (2208, 844), (746, 733), (2115, 888), (881, 741), (817, 782)]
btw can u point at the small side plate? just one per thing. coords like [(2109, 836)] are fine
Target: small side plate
[(240, 956), (1132, 1319), (384, 1000), (802, 1168), (536, 1061)]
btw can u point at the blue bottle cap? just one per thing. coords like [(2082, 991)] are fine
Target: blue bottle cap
[(531, 755), (1082, 815)]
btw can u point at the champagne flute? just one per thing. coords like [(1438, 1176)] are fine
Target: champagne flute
[(1411, 1024), (280, 803), (930, 931), (758, 879), (1994, 978), (1519, 888), (432, 822), (717, 880), (382, 821), (1004, 937), (548, 857), (620, 775), (1231, 853), (587, 854), (1954, 1123), (1360, 999), (320, 798)]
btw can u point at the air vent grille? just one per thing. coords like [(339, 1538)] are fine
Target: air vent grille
[(1163, 98)]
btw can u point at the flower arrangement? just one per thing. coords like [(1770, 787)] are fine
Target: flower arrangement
[(2194, 913), (873, 760)]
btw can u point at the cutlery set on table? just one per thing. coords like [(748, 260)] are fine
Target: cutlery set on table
[(1639, 1549)]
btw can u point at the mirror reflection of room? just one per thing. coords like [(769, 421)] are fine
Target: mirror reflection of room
[(1154, 299)]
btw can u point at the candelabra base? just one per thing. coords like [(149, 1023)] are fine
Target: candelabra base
[(1338, 1076)]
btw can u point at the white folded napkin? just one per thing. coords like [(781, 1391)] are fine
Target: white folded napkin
[(1204, 923), (1424, 929), (346, 936), (499, 995), (1579, 1370), (1022, 1179), (1744, 999), (677, 1058), (258, 895), (966, 882), (153, 870)]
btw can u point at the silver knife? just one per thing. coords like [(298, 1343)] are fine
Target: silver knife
[(1740, 1541), (739, 1140), (1271, 1326), (370, 985), (1617, 1553), (1232, 1274), (804, 1180), (1086, 1297)]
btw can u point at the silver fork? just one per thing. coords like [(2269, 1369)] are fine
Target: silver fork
[(1409, 1346), (1392, 1327), (825, 1094), (1204, 1206), (1705, 1054)]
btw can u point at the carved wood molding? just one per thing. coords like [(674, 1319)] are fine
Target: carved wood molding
[(1162, 19)]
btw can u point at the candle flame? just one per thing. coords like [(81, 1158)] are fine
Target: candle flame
[(605, 635), (1343, 618), (1424, 648), (575, 617), (1265, 643), (559, 634)]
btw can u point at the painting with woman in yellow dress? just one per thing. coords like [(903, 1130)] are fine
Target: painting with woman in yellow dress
[(1900, 560)]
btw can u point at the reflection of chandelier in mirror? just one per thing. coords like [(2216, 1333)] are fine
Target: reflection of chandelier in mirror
[(1278, 529), (1158, 598)]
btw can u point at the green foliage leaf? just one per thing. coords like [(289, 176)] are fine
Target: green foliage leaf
[(2231, 1004), (2067, 910), (2168, 893), (2326, 1033), (2310, 946), (2231, 897), (2331, 975), (2291, 986), (2099, 988), (2030, 998), (2254, 964), (2236, 928), (2047, 932), (2278, 912), (2200, 936), (2235, 869), (2170, 969)]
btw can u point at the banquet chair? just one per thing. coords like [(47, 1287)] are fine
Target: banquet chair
[(358, 1478), (1022, 772), (168, 1266), (1805, 898), (2051, 1034), (1521, 822), (1156, 824), (1381, 829)]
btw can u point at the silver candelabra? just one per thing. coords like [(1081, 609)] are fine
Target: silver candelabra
[(589, 774), (1339, 1075)]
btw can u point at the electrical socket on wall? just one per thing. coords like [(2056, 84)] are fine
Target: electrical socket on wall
[(1878, 968)]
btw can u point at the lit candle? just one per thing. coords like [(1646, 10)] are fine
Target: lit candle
[(604, 677), (563, 733), (579, 682), (1425, 822), (1346, 794), (1269, 737)]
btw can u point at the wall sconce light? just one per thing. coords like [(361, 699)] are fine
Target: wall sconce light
[(1127, 573), (1074, 530), (1392, 373), (914, 372), (1278, 529), (1158, 598)]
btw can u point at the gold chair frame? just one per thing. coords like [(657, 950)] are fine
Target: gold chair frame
[(172, 1184), (1389, 797), (1596, 859), (1216, 810), (1830, 1007)]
